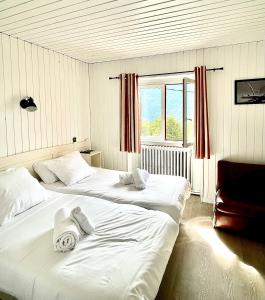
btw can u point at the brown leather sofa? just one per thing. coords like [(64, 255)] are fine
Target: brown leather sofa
[(240, 196)]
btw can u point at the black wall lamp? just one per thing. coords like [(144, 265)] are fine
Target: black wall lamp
[(28, 104)]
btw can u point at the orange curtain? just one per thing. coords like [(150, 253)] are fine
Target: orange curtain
[(129, 114), (202, 142)]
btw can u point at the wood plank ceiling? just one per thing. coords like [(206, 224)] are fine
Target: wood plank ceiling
[(103, 30)]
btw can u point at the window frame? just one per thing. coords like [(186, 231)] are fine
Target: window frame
[(161, 83), (165, 115), (185, 127)]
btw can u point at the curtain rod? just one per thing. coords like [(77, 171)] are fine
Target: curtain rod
[(167, 74)]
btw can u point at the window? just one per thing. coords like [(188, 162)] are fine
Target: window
[(167, 111)]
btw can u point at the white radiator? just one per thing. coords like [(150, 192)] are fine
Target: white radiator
[(167, 160)]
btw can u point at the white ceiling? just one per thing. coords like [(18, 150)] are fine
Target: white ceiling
[(103, 30)]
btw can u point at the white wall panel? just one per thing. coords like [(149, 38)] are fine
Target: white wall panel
[(60, 88), (23, 93), (42, 97), (30, 89), (236, 131), (8, 95), (57, 119), (16, 95), (36, 97), (3, 129)]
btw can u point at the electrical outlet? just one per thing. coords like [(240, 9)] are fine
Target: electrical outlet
[(74, 139)]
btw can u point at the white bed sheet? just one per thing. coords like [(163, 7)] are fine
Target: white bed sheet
[(124, 258), (163, 193)]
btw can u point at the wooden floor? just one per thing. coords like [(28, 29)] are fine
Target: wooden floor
[(211, 264)]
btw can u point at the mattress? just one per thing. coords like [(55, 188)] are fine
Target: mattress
[(163, 193), (124, 258)]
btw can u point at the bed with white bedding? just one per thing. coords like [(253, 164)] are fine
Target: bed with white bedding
[(124, 258), (163, 193)]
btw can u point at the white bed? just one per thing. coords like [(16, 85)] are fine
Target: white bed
[(124, 258), (163, 193)]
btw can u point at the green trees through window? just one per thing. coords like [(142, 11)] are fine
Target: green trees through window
[(174, 128), (151, 128)]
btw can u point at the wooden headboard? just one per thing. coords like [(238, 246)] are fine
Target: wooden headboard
[(27, 159)]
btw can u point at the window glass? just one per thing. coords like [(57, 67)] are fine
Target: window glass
[(151, 111), (174, 112)]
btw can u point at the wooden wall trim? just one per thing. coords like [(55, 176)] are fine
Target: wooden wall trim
[(27, 159)]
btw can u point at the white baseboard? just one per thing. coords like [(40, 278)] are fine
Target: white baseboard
[(207, 200)]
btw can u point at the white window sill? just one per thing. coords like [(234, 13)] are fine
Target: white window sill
[(153, 142), (162, 143)]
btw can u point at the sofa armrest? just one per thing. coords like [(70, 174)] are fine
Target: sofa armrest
[(217, 194), (223, 173)]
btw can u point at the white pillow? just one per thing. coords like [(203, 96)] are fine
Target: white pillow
[(70, 168), (45, 174), (18, 192)]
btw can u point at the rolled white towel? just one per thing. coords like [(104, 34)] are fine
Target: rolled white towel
[(65, 233), (84, 225), (126, 178), (140, 178)]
